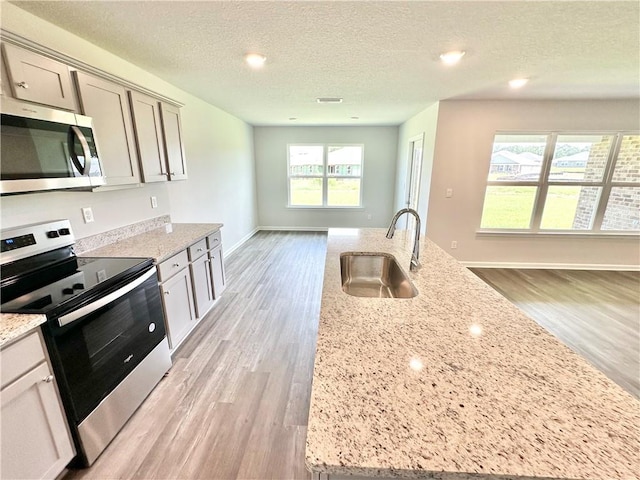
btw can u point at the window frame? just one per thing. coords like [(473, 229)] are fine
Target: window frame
[(326, 175), (543, 183)]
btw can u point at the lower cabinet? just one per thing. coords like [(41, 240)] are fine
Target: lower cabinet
[(36, 442), (217, 271), (179, 310), (214, 244), (191, 281), (201, 277)]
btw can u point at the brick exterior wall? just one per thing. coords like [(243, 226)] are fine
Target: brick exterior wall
[(593, 171), (623, 207), (623, 210)]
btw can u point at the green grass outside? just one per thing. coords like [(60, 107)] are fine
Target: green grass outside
[(341, 192), (511, 207)]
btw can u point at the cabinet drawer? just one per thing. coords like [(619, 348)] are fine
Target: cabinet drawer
[(20, 357), (173, 265), (214, 240), (197, 249)]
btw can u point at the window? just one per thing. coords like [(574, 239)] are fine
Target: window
[(325, 175), (563, 182)]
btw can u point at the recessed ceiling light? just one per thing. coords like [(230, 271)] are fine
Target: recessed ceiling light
[(518, 82), (255, 60), (329, 100), (453, 57)]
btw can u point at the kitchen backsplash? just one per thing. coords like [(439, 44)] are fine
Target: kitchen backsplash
[(106, 238)]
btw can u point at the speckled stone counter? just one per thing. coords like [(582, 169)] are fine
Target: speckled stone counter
[(455, 383), (158, 243), (14, 325)]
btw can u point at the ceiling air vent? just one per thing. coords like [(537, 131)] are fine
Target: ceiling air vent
[(329, 100)]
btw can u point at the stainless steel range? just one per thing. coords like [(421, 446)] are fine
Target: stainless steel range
[(105, 330)]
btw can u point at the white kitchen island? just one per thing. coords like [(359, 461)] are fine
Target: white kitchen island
[(455, 383)]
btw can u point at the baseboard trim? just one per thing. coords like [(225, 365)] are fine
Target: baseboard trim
[(229, 252), (294, 229), (552, 266)]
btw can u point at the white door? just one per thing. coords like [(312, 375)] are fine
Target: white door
[(414, 176)]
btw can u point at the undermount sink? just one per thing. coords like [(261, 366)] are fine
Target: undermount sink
[(372, 274)]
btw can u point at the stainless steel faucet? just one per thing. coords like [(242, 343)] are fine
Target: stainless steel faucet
[(415, 263)]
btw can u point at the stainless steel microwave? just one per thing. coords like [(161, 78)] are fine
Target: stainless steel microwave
[(46, 149)]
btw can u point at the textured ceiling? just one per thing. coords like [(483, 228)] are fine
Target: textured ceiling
[(381, 57)]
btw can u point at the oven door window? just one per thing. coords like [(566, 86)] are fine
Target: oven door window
[(99, 350)]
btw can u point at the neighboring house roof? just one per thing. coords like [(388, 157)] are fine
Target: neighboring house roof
[(580, 157), (531, 156), (505, 157)]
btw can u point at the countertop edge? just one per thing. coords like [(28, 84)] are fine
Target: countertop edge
[(153, 243), (13, 326)]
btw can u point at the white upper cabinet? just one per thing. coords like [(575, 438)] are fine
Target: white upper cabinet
[(107, 103), (38, 79), (173, 141), (148, 128)]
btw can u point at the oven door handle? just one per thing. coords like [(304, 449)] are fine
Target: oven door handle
[(101, 302)]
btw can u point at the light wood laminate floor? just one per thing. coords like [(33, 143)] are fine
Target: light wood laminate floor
[(235, 403), (596, 313)]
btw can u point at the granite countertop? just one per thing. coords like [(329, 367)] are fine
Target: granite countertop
[(14, 325), (454, 382), (157, 243)]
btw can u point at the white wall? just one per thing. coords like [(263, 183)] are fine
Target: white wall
[(462, 154), (380, 151), (425, 123), (218, 147)]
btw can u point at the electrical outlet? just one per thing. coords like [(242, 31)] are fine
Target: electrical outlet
[(369, 216), (87, 214), (454, 244), (154, 202), (448, 193), (101, 275)]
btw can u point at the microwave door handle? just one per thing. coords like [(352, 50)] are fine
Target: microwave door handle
[(107, 299), (75, 132)]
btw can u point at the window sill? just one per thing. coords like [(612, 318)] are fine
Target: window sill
[(320, 207), (556, 234)]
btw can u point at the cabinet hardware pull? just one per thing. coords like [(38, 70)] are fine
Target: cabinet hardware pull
[(48, 379), (24, 85), (199, 250), (167, 292), (176, 264)]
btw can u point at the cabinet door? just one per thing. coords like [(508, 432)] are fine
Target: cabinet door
[(202, 285), (35, 439), (217, 271), (173, 142), (106, 102), (177, 297), (38, 79), (148, 128)]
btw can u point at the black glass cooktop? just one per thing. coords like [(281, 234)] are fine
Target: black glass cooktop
[(72, 281)]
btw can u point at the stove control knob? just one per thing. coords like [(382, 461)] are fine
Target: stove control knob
[(67, 291), (64, 231), (78, 286), (53, 234)]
